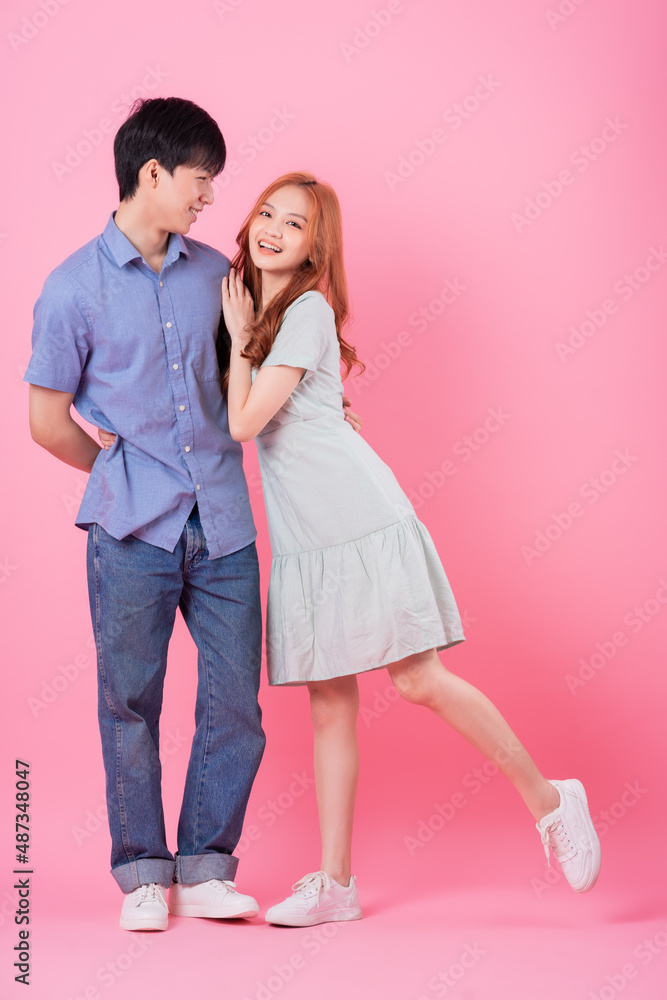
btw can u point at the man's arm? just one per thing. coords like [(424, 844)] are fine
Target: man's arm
[(52, 427)]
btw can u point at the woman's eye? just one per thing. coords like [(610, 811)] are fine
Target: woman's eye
[(292, 223), (265, 213)]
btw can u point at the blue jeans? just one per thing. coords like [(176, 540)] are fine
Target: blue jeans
[(135, 589)]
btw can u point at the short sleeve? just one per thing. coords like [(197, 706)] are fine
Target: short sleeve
[(59, 337), (304, 333)]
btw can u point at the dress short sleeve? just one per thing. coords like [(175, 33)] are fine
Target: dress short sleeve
[(306, 329), (59, 337)]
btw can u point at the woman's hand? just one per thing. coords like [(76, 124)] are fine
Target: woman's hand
[(106, 438), (237, 307)]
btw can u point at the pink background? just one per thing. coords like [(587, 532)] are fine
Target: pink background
[(521, 218)]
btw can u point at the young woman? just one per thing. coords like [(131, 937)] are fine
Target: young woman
[(356, 583)]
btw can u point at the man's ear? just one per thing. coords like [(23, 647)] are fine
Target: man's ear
[(149, 173)]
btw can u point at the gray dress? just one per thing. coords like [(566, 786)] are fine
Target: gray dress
[(356, 581)]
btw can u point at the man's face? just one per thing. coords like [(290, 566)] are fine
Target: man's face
[(180, 197)]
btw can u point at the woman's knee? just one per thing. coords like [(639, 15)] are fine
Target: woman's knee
[(334, 701), (415, 677)]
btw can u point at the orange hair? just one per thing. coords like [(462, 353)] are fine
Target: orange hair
[(323, 270)]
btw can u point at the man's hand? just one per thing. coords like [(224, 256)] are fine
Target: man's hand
[(352, 418)]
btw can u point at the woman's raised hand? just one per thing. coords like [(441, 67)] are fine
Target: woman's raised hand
[(237, 307)]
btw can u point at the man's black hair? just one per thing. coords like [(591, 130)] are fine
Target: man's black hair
[(171, 130)]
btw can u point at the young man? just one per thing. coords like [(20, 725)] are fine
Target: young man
[(125, 330)]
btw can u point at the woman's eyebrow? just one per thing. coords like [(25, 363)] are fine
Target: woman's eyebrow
[(269, 205)]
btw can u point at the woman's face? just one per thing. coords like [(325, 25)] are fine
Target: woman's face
[(278, 243)]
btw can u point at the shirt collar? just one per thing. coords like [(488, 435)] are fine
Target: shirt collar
[(176, 247), (123, 251)]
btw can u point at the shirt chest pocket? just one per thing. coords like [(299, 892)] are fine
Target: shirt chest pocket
[(201, 347)]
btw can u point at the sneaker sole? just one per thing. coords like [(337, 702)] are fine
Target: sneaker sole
[(144, 925), (316, 918), (184, 910)]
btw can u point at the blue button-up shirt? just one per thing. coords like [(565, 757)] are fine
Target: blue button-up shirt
[(137, 349)]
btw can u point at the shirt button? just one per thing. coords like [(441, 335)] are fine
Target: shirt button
[(174, 367), (169, 326), (181, 408), (161, 284), (198, 486), (187, 447)]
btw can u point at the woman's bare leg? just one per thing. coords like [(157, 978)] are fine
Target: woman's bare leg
[(423, 680), (334, 706)]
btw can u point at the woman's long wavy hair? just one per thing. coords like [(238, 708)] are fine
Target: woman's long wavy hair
[(323, 270)]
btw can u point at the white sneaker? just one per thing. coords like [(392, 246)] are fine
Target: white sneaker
[(569, 831), (145, 909), (215, 898), (316, 899)]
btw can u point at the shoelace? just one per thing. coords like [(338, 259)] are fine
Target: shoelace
[(149, 894), (312, 884), (229, 885), (556, 835)]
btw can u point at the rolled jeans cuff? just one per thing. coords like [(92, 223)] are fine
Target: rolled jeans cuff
[(143, 871), (194, 868)]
